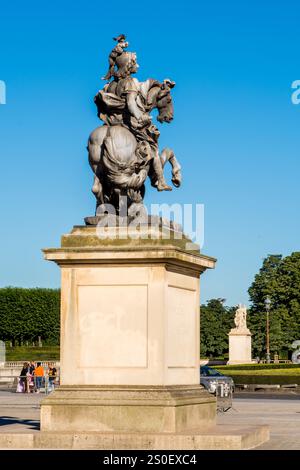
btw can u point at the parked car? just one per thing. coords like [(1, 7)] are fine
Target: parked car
[(215, 382)]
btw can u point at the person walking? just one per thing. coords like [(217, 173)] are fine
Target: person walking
[(52, 376), (31, 376), (31, 367), (38, 375), (23, 378)]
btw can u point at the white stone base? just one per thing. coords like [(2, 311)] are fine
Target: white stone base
[(128, 409), (129, 318), (217, 438), (240, 348)]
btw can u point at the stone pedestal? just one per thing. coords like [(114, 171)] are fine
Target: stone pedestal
[(240, 347), (129, 335)]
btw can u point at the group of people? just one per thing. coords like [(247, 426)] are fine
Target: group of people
[(33, 377)]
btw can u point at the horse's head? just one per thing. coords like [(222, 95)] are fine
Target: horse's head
[(164, 102)]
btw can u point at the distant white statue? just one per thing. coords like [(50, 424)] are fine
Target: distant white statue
[(296, 353), (240, 339), (240, 319)]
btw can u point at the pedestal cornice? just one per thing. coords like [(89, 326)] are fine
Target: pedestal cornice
[(83, 247)]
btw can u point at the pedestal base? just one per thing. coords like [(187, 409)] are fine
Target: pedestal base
[(240, 348), (217, 438), (128, 409), (129, 334)]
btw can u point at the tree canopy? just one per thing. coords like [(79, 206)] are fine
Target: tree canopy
[(216, 322), (26, 314), (279, 279)]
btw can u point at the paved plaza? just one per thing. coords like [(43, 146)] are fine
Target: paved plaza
[(20, 413), (282, 415)]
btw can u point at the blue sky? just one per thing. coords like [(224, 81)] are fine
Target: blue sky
[(235, 129)]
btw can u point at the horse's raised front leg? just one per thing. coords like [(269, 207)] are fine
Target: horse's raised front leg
[(167, 155)]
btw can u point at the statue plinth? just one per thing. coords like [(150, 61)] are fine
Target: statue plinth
[(129, 334), (240, 346), (240, 339)]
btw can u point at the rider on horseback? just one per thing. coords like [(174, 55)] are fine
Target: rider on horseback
[(125, 101)]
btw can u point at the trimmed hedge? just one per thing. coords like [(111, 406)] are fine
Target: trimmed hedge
[(284, 372), (264, 374), (256, 366), (266, 379), (23, 353), (26, 314)]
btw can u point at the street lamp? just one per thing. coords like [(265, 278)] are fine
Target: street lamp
[(268, 305)]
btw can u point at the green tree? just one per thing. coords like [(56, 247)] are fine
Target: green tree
[(279, 278), (216, 322), (26, 314)]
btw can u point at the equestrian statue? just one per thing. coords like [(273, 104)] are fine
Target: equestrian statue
[(124, 151)]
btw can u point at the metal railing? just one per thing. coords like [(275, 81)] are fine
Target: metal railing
[(36, 384), (277, 361), (224, 392), (30, 384), (19, 364)]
